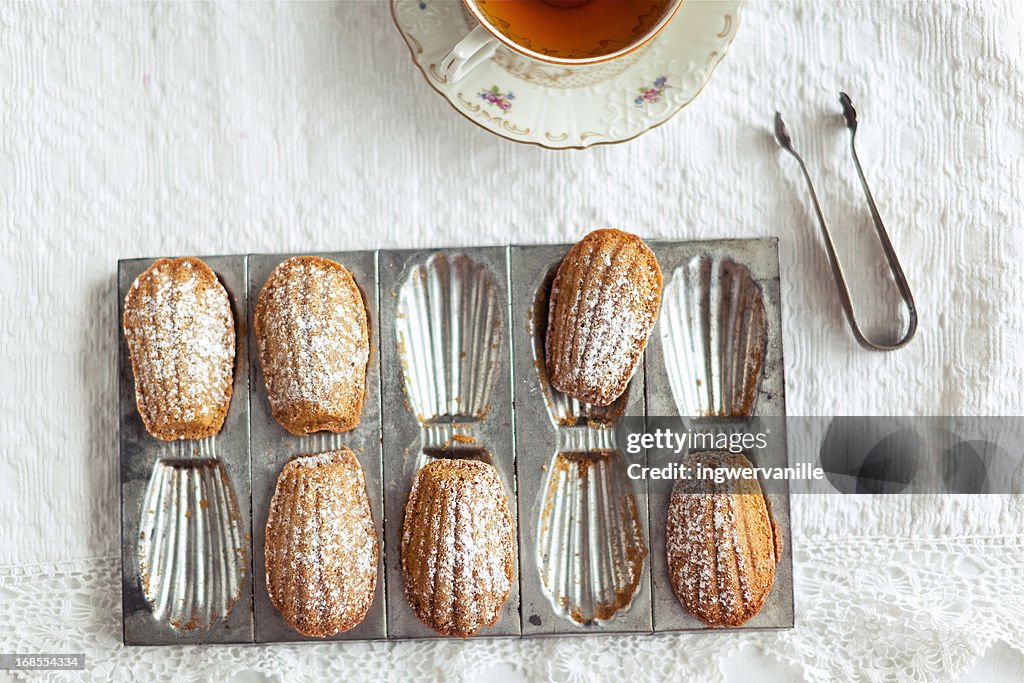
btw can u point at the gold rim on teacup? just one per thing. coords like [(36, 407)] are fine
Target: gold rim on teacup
[(481, 42)]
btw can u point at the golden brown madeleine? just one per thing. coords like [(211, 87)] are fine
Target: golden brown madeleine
[(457, 546), (181, 340), (604, 303), (722, 543), (321, 547), (314, 345)]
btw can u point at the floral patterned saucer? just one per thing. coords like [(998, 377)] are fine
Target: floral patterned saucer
[(555, 107)]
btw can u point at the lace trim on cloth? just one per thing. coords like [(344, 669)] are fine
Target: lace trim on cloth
[(923, 608)]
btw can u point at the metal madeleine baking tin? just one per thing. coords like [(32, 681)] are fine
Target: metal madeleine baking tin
[(456, 370)]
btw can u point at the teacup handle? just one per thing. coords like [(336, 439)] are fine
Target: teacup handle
[(468, 53)]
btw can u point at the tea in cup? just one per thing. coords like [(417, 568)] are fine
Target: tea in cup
[(565, 32)]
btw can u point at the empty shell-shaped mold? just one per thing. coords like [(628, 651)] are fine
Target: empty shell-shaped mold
[(591, 549), (449, 327), (713, 336), (564, 409), (192, 545)]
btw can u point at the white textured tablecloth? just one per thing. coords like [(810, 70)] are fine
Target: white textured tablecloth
[(150, 129)]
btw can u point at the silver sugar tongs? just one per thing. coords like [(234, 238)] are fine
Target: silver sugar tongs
[(782, 135)]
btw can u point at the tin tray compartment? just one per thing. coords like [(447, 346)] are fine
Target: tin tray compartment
[(591, 545), (714, 365), (193, 553), (449, 324), (185, 545), (584, 566), (444, 322), (273, 447), (714, 331)]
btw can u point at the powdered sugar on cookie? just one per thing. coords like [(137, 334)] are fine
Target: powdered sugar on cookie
[(604, 303), (313, 343), (181, 338), (321, 550), (457, 546)]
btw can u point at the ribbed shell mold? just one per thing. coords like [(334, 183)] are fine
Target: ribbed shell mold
[(591, 546), (321, 546), (458, 546), (721, 543), (604, 304), (181, 339), (192, 548), (314, 345), (448, 326), (713, 334)]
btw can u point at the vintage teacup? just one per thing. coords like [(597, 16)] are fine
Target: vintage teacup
[(570, 33)]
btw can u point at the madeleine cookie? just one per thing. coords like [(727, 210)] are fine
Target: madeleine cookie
[(604, 303), (457, 546), (722, 543), (314, 345), (181, 340), (321, 546)]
